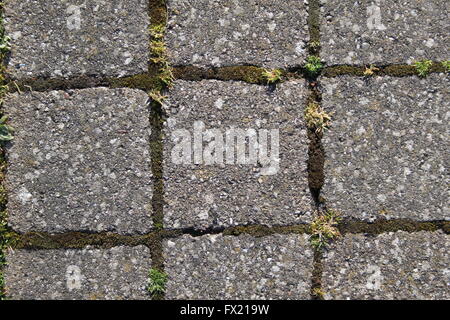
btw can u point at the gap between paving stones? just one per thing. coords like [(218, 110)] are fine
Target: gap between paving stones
[(249, 74), (80, 240), (316, 153)]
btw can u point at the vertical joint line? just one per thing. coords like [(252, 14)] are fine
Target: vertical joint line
[(157, 65), (316, 153)]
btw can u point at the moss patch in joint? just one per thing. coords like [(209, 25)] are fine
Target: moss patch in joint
[(140, 81), (341, 70), (248, 74), (381, 226), (262, 231), (78, 240)]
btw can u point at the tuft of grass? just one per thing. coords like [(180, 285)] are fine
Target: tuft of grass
[(446, 65), (319, 293), (313, 65), (317, 119), (157, 283), (323, 229), (272, 76), (370, 71), (423, 67)]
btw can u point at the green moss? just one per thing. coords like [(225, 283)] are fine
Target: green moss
[(262, 231), (423, 67), (143, 81), (248, 74), (382, 226), (78, 240)]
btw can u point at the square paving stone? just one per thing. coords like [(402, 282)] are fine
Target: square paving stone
[(387, 151), (384, 31), (244, 267), (214, 33), (72, 38), (88, 274), (80, 160), (396, 265), (210, 184)]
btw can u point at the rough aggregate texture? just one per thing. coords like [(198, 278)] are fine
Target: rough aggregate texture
[(384, 31), (244, 267), (396, 265), (70, 38), (387, 151), (89, 274), (218, 33), (225, 194), (80, 160)]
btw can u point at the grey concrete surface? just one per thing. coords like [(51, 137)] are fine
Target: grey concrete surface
[(202, 194), (80, 160), (71, 38), (244, 267), (384, 32), (387, 151), (396, 265), (216, 33), (120, 273)]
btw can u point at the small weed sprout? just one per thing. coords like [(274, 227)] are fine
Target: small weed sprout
[(317, 119), (157, 282), (370, 71), (272, 76), (313, 65), (5, 130), (323, 229), (446, 65), (423, 67)]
